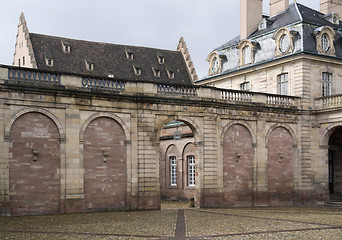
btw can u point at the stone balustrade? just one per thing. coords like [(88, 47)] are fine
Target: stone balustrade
[(329, 101), (104, 84), (32, 76), (35, 77)]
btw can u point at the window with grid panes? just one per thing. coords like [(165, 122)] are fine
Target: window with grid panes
[(173, 171), (326, 84), (191, 170), (283, 84)]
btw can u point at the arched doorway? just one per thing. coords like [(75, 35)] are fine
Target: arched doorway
[(178, 160), (335, 164)]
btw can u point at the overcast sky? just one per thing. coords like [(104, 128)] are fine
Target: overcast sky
[(204, 24)]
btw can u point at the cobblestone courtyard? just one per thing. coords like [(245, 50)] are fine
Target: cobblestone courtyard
[(177, 221)]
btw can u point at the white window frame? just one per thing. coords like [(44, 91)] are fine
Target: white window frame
[(246, 54), (283, 84), (173, 170), (326, 84), (191, 170), (325, 42)]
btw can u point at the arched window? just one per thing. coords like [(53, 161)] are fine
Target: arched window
[(246, 52), (325, 40), (246, 55)]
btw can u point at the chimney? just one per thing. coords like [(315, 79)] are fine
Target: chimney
[(329, 6), (250, 16), (278, 6)]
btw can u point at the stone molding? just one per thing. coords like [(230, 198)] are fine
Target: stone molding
[(278, 36), (330, 32)]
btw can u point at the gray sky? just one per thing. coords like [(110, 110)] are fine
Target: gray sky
[(204, 24)]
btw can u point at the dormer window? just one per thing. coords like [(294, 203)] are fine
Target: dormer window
[(89, 64), (262, 25), (156, 72), (66, 46), (137, 70), (48, 59), (215, 62), (171, 74), (334, 18), (129, 54), (161, 59), (325, 40), (246, 55), (284, 41), (246, 52), (111, 74)]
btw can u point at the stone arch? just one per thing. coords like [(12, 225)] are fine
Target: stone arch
[(34, 163), (38, 110), (191, 123), (237, 164), (324, 141), (182, 191), (104, 156), (281, 147), (109, 115), (172, 148), (288, 128), (243, 123), (331, 152)]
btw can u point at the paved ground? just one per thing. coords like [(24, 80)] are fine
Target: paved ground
[(177, 221)]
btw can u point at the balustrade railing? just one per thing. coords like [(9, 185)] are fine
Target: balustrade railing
[(20, 75), (239, 96), (167, 89), (33, 77), (279, 100), (332, 100), (104, 84)]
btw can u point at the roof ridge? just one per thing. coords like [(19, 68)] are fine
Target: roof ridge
[(95, 42)]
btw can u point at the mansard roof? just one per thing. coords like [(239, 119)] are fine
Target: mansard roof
[(296, 13), (109, 59), (305, 26)]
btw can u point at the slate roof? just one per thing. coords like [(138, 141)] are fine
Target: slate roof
[(296, 13), (108, 58), (232, 42)]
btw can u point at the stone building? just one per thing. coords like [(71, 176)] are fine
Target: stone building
[(88, 126), (296, 51)]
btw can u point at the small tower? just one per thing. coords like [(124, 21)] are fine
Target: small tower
[(23, 54), (186, 55)]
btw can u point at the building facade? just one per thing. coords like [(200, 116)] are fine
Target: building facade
[(121, 132)]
